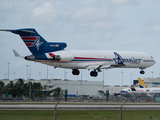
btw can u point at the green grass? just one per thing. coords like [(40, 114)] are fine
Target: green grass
[(77, 115), (79, 103)]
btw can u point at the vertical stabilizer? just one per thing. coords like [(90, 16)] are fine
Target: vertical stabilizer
[(35, 43), (141, 83)]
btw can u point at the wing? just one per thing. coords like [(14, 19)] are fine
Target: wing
[(98, 66)]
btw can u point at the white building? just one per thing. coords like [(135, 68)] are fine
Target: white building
[(152, 82), (78, 88)]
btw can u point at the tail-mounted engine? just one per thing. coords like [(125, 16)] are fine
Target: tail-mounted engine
[(63, 57), (30, 57)]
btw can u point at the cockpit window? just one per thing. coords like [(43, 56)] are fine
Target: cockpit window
[(151, 57)]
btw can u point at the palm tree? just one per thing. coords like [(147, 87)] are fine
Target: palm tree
[(10, 85), (37, 86), (58, 92), (1, 85), (19, 83)]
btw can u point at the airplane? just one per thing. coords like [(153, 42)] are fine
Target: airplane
[(54, 54), (141, 90)]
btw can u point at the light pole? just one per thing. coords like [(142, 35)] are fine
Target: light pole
[(27, 71), (5, 76), (81, 74), (152, 74), (14, 75), (29, 81), (30, 72), (122, 78), (131, 78), (47, 72), (8, 71), (65, 74), (51, 76), (39, 75), (103, 77)]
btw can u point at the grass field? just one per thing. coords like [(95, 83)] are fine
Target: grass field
[(79, 103), (77, 115)]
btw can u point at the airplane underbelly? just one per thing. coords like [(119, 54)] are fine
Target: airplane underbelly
[(69, 64), (132, 65)]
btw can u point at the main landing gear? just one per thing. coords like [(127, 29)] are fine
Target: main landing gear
[(92, 73), (75, 72)]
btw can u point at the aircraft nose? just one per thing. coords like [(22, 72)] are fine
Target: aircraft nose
[(154, 61)]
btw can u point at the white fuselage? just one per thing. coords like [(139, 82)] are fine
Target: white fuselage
[(142, 90), (82, 59)]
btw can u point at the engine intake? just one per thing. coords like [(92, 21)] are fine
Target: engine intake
[(57, 57), (30, 57)]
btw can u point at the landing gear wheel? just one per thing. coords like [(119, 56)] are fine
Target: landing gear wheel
[(93, 73), (142, 72), (75, 72)]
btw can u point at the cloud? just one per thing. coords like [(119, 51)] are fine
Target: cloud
[(152, 27), (89, 14), (5, 11), (108, 35), (102, 25), (155, 28), (123, 2), (43, 14)]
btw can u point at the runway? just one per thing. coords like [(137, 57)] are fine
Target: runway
[(79, 107)]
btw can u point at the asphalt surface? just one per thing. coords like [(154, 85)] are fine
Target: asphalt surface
[(79, 107)]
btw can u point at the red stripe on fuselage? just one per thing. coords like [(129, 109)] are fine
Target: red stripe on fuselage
[(91, 58)]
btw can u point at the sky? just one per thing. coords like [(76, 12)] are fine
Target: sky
[(129, 25)]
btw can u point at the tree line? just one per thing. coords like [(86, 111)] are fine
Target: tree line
[(20, 88)]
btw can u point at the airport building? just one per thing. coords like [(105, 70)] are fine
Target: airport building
[(89, 89), (152, 82)]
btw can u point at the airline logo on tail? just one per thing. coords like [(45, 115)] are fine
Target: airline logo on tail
[(32, 41)]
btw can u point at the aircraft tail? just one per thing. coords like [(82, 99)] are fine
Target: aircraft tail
[(141, 83), (35, 43)]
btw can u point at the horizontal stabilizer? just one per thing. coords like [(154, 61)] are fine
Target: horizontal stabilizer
[(25, 31), (6, 30), (16, 54)]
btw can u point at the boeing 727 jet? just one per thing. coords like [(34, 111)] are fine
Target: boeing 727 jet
[(53, 53)]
